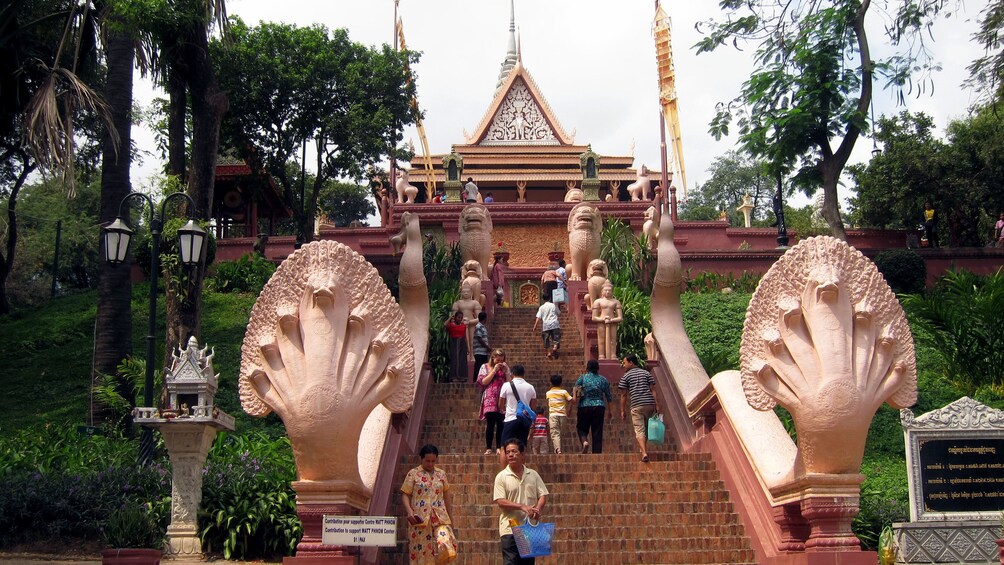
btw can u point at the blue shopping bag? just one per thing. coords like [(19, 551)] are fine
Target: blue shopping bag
[(533, 540), (559, 296), (656, 429)]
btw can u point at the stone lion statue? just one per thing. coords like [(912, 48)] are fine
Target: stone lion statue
[(596, 278), (584, 227), (476, 235), (639, 188), (406, 192)]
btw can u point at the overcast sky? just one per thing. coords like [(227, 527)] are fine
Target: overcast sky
[(593, 60)]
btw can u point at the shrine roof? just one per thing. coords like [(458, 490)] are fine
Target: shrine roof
[(519, 115)]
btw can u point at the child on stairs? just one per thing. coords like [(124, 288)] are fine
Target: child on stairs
[(538, 435), (557, 410)]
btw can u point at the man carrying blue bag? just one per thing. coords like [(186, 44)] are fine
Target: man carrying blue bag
[(638, 385), (521, 494)]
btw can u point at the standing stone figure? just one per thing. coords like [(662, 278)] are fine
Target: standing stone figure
[(607, 312), (470, 308)]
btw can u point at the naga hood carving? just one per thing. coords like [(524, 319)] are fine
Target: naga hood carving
[(826, 338), (326, 345)]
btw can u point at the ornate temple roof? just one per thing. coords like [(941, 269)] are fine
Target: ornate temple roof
[(519, 139)]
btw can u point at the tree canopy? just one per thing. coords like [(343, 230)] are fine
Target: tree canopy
[(806, 102), (345, 202), (959, 176), (348, 101), (733, 175)]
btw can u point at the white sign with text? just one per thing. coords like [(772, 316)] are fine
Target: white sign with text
[(377, 531)]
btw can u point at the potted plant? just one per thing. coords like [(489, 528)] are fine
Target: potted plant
[(134, 537)]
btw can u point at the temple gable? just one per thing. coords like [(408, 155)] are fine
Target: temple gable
[(519, 119)]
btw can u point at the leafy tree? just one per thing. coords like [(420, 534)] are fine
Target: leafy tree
[(48, 64), (893, 186), (42, 205), (986, 72), (974, 158), (345, 202), (812, 84), (733, 175), (349, 101), (960, 176)]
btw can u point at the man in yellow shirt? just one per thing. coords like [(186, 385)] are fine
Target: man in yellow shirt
[(520, 493)]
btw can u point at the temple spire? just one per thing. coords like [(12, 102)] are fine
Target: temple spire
[(512, 54)]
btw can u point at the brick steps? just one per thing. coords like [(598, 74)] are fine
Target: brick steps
[(608, 508)]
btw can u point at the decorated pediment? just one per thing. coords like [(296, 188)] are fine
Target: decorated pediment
[(519, 115)]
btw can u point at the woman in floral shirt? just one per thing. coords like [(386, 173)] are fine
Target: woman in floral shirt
[(426, 498)]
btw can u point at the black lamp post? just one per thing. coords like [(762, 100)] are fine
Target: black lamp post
[(782, 229), (191, 241)]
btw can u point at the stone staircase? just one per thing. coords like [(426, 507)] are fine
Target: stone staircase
[(608, 508)]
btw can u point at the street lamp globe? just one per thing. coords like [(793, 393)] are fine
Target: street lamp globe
[(117, 238), (190, 243)]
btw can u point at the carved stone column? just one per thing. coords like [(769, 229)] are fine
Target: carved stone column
[(794, 530), (828, 504), (187, 445), (314, 499)]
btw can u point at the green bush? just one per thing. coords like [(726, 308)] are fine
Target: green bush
[(133, 526), (248, 506), (903, 269), (55, 483), (963, 318), (714, 323), (247, 274)]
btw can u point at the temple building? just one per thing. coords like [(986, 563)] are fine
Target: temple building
[(520, 152)]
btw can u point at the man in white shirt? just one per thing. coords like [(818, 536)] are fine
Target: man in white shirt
[(520, 493), (512, 427), (551, 330), (470, 191)]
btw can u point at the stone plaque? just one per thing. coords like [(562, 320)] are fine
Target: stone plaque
[(962, 475), (955, 462)]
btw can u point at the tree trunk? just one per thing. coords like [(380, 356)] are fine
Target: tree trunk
[(831, 205), (7, 262), (208, 106), (177, 110), (113, 324)]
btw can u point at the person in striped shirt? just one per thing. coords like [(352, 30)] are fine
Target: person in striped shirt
[(638, 385)]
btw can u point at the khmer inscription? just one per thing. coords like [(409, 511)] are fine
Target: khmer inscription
[(962, 475)]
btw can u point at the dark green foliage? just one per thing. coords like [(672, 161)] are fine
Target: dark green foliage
[(55, 483), (247, 274), (903, 269), (442, 271), (118, 393), (133, 526), (629, 260), (39, 207), (964, 318), (705, 281), (893, 186), (637, 322), (248, 506)]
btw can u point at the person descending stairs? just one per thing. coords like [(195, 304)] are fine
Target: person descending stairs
[(608, 508)]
